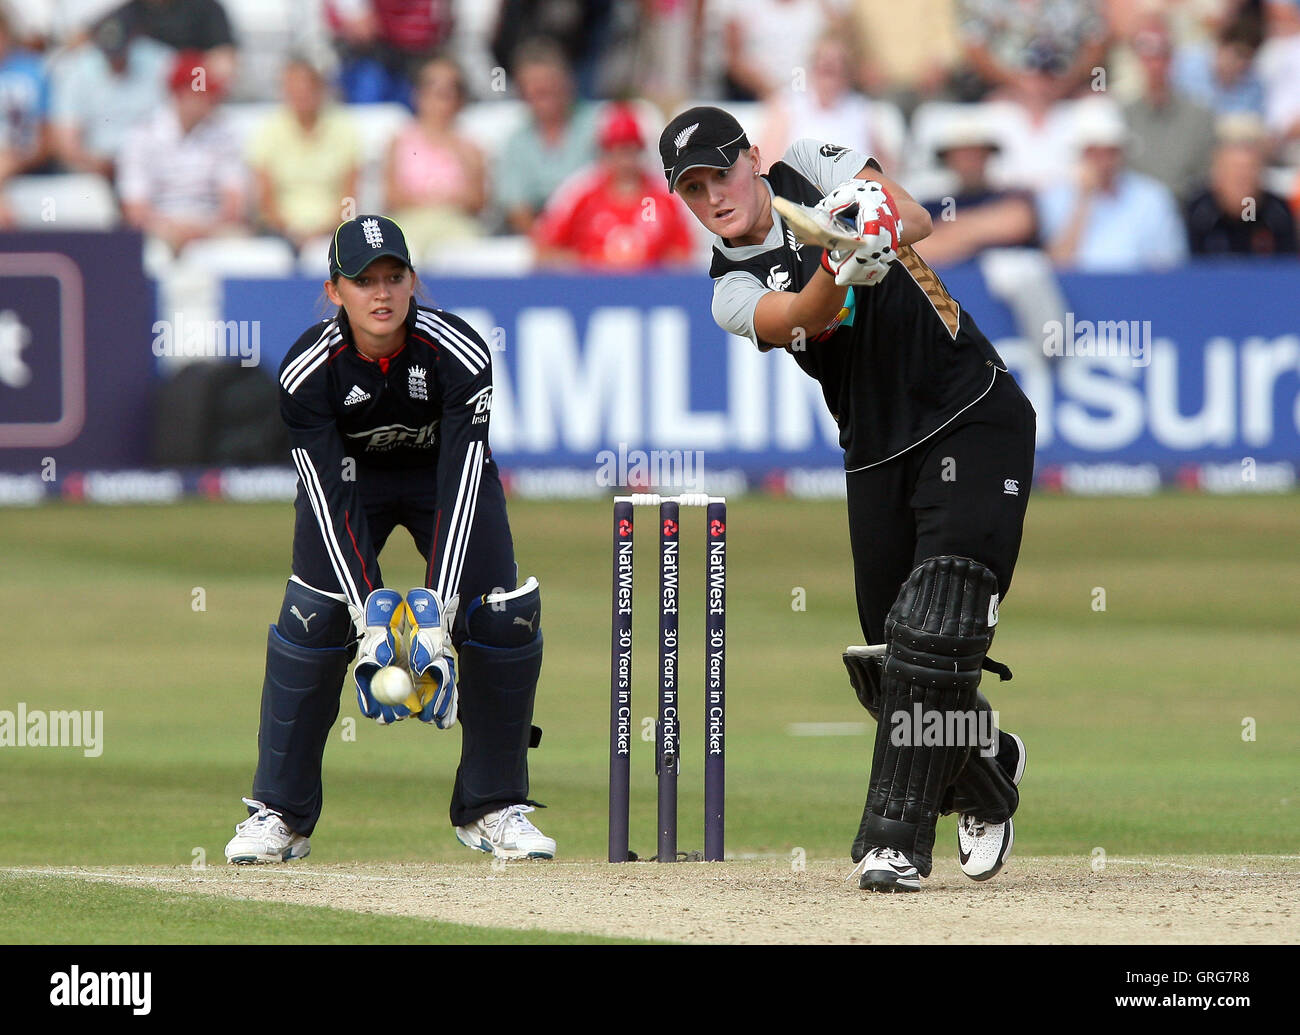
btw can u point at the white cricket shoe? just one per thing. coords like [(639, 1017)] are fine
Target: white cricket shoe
[(507, 834), (982, 847), (263, 838), (886, 870)]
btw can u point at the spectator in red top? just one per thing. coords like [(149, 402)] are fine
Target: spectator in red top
[(613, 215), (383, 43), (180, 174)]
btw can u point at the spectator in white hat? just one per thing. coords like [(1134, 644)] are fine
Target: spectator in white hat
[(975, 213), (1110, 218)]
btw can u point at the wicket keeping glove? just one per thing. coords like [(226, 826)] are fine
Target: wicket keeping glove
[(432, 667), (381, 645)]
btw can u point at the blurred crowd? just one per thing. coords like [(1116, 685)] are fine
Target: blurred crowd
[(1113, 134)]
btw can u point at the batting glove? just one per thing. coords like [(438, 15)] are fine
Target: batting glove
[(432, 666), (843, 202), (381, 645), (853, 267), (869, 213)]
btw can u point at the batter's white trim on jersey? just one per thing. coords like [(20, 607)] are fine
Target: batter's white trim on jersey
[(310, 355), (877, 463), (470, 353), (462, 521), (320, 507)]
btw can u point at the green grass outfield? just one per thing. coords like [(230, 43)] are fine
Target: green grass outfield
[(1133, 715), (38, 910)]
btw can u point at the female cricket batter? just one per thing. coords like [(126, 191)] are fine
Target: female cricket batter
[(938, 452), (387, 405)]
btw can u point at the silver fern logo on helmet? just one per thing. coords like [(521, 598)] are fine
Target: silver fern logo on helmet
[(374, 235), (680, 140)]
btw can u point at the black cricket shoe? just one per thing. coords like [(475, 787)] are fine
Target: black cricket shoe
[(1011, 757)]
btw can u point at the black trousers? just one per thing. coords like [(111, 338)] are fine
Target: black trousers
[(962, 492)]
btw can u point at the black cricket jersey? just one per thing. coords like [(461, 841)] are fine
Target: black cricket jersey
[(424, 409), (901, 360)]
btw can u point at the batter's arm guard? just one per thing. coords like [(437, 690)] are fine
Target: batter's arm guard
[(326, 474), (465, 374)]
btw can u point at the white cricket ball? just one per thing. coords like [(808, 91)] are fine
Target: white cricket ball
[(391, 685)]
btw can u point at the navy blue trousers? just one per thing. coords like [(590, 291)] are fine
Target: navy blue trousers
[(407, 499)]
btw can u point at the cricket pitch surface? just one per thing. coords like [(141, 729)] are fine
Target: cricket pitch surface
[(1046, 900)]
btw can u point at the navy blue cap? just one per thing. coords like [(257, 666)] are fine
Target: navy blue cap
[(363, 239)]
